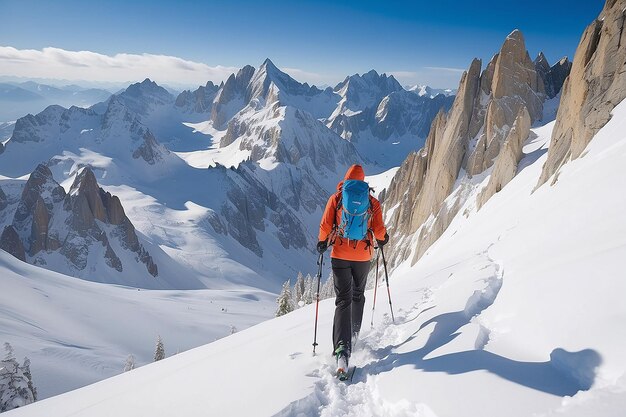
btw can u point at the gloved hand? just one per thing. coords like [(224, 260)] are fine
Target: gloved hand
[(383, 242), (322, 246)]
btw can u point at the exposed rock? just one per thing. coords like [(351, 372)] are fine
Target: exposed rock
[(234, 89), (508, 159), (48, 220), (515, 84), (4, 201), (87, 203), (32, 217), (597, 83), (449, 146), (1, 148), (407, 183), (199, 101), (86, 185), (11, 243), (552, 77), (515, 76), (39, 229), (476, 132), (149, 150)]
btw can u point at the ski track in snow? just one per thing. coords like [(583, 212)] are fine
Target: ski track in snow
[(374, 355)]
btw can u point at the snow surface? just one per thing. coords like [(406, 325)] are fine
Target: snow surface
[(516, 310), (78, 332)]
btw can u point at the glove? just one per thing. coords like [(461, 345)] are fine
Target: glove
[(322, 245), (384, 241)]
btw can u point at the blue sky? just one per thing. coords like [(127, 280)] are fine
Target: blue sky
[(318, 41)]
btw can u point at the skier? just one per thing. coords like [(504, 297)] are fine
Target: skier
[(352, 220)]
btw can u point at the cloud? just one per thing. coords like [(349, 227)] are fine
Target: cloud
[(91, 66), (302, 75), (454, 70)]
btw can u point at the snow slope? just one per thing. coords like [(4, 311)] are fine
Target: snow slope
[(516, 310), (77, 332)]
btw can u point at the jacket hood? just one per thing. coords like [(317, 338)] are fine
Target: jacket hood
[(355, 172)]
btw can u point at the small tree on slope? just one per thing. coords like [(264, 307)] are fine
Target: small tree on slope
[(16, 385), (130, 363), (159, 352), (298, 291), (284, 300)]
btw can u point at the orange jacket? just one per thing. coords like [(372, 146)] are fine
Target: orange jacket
[(342, 248)]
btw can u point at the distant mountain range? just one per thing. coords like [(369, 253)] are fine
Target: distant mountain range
[(19, 99), (224, 184)]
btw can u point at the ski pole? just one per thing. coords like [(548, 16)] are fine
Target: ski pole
[(387, 279), (375, 288), (320, 261)]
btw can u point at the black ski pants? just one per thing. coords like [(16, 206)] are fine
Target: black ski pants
[(350, 278)]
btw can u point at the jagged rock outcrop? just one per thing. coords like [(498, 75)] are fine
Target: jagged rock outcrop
[(477, 132), (198, 101), (87, 203), (408, 182), (120, 121), (3, 200), (514, 83), (32, 217), (596, 84), (79, 225), (554, 76), (144, 97), (231, 97), (1, 148), (11, 243), (508, 159), (361, 95)]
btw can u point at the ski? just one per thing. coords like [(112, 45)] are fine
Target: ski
[(346, 375)]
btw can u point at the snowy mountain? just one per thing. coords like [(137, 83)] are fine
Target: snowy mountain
[(482, 134), (427, 91), (381, 119), (18, 99), (488, 322)]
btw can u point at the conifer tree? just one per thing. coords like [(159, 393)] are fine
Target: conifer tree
[(284, 300), (16, 385), (159, 352), (130, 363), (298, 291), (309, 291), (328, 289)]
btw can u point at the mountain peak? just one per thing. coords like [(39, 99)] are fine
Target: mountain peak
[(516, 35), (268, 64)]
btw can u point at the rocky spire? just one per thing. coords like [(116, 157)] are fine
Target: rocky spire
[(234, 87), (597, 83), (488, 123), (11, 243)]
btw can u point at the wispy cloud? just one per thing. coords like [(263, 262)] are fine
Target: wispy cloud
[(92, 66), (302, 75), (446, 69)]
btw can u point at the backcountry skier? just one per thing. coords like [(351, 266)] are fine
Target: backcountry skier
[(350, 223)]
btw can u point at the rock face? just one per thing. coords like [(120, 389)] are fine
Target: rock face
[(488, 122), (552, 77), (231, 97), (596, 85), (11, 243), (3, 200), (199, 101), (505, 167), (77, 224)]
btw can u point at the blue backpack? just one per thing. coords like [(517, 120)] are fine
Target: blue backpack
[(355, 210)]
